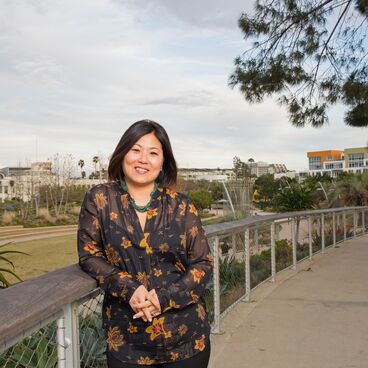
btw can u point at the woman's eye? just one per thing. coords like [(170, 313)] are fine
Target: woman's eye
[(135, 149), (154, 153)]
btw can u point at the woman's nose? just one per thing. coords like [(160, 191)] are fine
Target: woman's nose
[(143, 157)]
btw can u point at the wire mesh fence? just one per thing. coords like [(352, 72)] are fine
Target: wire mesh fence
[(39, 350), (91, 335)]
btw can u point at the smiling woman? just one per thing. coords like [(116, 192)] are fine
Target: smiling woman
[(144, 244)]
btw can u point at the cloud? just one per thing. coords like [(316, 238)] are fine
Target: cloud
[(77, 74)]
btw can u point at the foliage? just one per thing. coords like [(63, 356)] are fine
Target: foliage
[(241, 169), (93, 344), (296, 197), (265, 187), (311, 53), (4, 282), (201, 198), (34, 351)]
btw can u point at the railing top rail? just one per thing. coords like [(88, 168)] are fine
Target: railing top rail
[(27, 303), (239, 225)]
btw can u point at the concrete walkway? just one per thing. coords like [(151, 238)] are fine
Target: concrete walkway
[(315, 317)]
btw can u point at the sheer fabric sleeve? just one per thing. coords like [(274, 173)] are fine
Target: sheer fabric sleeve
[(92, 256), (193, 282)]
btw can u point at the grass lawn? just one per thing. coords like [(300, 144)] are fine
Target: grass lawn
[(45, 255)]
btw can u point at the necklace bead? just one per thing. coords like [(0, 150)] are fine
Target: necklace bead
[(143, 208)]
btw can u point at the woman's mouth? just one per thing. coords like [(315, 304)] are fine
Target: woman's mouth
[(141, 170)]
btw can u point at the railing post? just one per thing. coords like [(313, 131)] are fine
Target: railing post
[(323, 231), (355, 223), (294, 242), (273, 253), (310, 236), (344, 224), (363, 221), (334, 228), (255, 234), (71, 335), (247, 265), (233, 244), (216, 286), (60, 342)]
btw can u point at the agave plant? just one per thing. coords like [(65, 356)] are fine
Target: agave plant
[(4, 282), (35, 351)]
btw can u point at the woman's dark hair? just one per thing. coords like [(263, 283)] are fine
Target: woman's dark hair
[(169, 170)]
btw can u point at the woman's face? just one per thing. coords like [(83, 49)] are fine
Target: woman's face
[(143, 162)]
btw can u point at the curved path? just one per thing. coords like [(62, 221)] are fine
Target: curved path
[(316, 316)]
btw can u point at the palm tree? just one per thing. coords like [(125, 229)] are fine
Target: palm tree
[(295, 197), (81, 165), (95, 160)]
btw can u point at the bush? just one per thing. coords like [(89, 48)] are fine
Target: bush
[(8, 218)]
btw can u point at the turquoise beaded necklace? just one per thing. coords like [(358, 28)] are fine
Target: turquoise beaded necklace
[(132, 201)]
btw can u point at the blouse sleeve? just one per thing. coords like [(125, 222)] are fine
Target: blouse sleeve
[(193, 282), (92, 257)]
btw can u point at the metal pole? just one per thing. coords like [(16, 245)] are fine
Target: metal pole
[(60, 341), (323, 231), (334, 228), (294, 242), (363, 221), (247, 265), (355, 223), (233, 244), (273, 253), (255, 234), (344, 224), (216, 287), (71, 335), (310, 237)]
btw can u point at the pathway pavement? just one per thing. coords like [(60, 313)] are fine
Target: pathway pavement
[(315, 317)]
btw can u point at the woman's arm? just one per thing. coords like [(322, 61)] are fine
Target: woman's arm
[(192, 284), (92, 257)]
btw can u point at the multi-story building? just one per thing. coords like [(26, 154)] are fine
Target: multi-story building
[(356, 159), (206, 174), (260, 168), (319, 159), (334, 162)]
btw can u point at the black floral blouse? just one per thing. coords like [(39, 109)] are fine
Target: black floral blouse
[(171, 255)]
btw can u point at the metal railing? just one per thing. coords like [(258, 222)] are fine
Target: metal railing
[(55, 319)]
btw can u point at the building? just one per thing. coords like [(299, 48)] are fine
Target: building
[(206, 174), (335, 162), (260, 168), (356, 159)]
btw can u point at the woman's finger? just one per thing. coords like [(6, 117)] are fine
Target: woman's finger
[(144, 304)]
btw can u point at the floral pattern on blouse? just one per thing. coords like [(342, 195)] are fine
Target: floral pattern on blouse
[(171, 255)]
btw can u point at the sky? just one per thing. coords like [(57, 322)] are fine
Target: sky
[(74, 75)]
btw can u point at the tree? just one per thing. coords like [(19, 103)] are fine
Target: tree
[(201, 198), (296, 197), (265, 188), (241, 169), (310, 53), (81, 165)]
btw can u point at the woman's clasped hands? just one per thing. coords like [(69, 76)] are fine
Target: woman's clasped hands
[(145, 304)]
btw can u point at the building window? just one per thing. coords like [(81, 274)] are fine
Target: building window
[(315, 163), (5, 189), (356, 159), (329, 158)]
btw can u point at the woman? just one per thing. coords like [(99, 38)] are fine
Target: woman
[(145, 245)]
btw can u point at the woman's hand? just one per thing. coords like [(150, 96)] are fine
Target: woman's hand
[(145, 303), (154, 309)]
